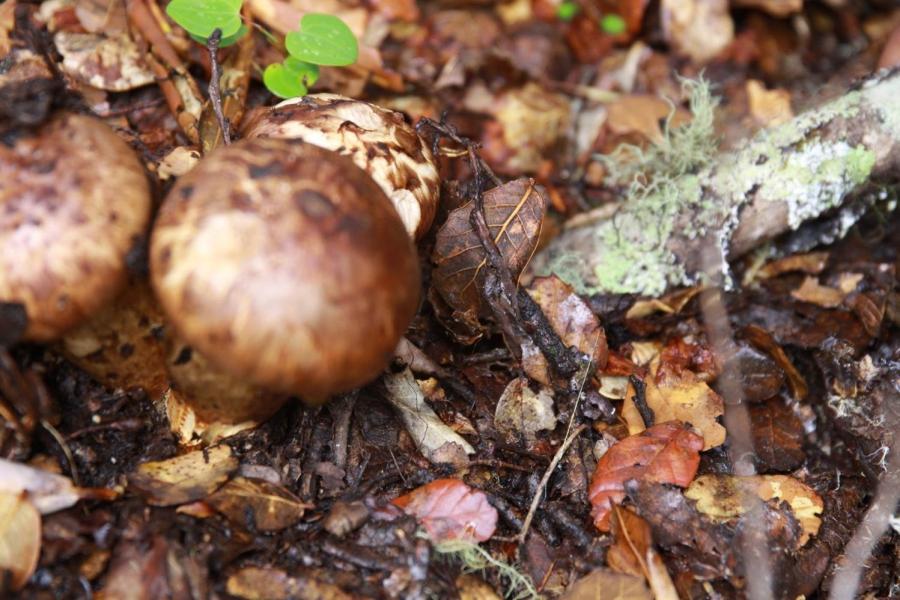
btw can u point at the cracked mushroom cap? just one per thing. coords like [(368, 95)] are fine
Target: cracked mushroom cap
[(378, 140), (285, 264), (74, 201)]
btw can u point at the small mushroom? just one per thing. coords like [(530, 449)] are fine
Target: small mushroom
[(74, 203), (379, 141), (283, 265)]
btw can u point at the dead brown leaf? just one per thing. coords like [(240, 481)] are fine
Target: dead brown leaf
[(514, 213), (812, 263), (760, 338), (665, 453), (20, 538), (520, 411), (815, 293), (699, 29), (768, 107), (642, 114), (669, 304), (47, 491), (256, 583), (185, 478), (720, 497), (571, 318), (272, 506), (682, 397), (604, 584), (776, 8), (449, 509), (777, 436)]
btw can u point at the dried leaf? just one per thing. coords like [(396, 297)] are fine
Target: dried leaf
[(449, 509), (20, 538), (764, 341), (815, 293), (48, 492), (777, 436), (768, 107), (437, 442), (256, 583), (669, 304), (604, 584), (776, 8), (632, 540), (812, 263), (642, 115), (570, 317), (514, 213), (273, 507), (665, 453), (699, 29), (720, 497), (530, 120), (522, 411), (185, 478), (678, 397), (471, 587), (154, 568)]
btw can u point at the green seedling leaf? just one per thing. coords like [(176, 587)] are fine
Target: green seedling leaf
[(201, 17), (307, 72), (225, 41), (567, 10), (323, 40), (283, 82), (613, 24)]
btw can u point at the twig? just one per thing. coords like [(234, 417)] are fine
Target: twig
[(535, 502), (215, 96), (754, 545), (65, 449)]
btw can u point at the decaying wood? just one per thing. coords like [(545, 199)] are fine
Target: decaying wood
[(773, 183)]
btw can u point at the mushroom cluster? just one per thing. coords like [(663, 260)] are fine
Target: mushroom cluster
[(282, 265)]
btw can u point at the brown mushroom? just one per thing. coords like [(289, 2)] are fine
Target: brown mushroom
[(283, 265), (379, 141), (74, 202)]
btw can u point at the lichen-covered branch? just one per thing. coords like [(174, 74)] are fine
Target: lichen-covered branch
[(769, 185)]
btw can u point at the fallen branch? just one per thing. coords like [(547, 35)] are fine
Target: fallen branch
[(773, 183)]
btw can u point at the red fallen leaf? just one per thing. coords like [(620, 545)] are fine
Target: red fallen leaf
[(449, 509), (666, 453)]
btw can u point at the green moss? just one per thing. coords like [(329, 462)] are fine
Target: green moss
[(475, 558)]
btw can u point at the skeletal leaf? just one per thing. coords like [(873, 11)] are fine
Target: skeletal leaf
[(514, 213)]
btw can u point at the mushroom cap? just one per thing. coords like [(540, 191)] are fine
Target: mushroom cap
[(74, 201), (379, 141), (285, 264)]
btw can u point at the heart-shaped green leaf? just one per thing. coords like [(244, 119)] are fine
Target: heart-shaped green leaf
[(225, 41), (307, 72), (201, 17), (323, 40), (283, 82)]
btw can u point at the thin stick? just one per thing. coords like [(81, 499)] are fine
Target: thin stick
[(535, 502), (215, 96)]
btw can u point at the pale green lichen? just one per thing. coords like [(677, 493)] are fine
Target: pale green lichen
[(789, 164), (474, 558)]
